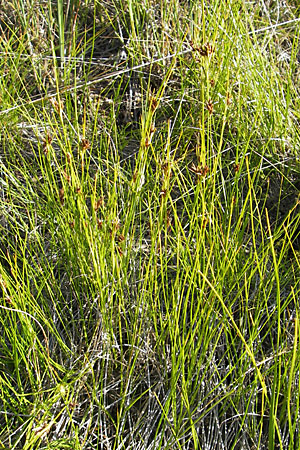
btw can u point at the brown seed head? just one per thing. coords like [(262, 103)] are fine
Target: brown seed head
[(62, 196), (153, 103), (57, 105), (66, 176), (165, 167), (98, 203), (85, 144), (210, 106), (152, 129), (134, 177), (200, 171), (204, 50), (47, 140)]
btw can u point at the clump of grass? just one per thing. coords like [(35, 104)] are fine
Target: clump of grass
[(149, 272)]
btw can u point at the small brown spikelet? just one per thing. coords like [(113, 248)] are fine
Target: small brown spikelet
[(204, 50), (57, 105), (66, 176), (98, 203), (228, 99), (205, 171), (134, 177), (69, 157), (200, 171), (62, 196), (85, 144), (165, 167), (152, 129), (210, 106), (47, 140), (204, 223), (153, 104), (120, 251)]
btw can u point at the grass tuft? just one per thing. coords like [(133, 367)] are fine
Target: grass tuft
[(149, 219)]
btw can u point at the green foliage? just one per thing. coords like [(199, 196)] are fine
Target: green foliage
[(149, 214)]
